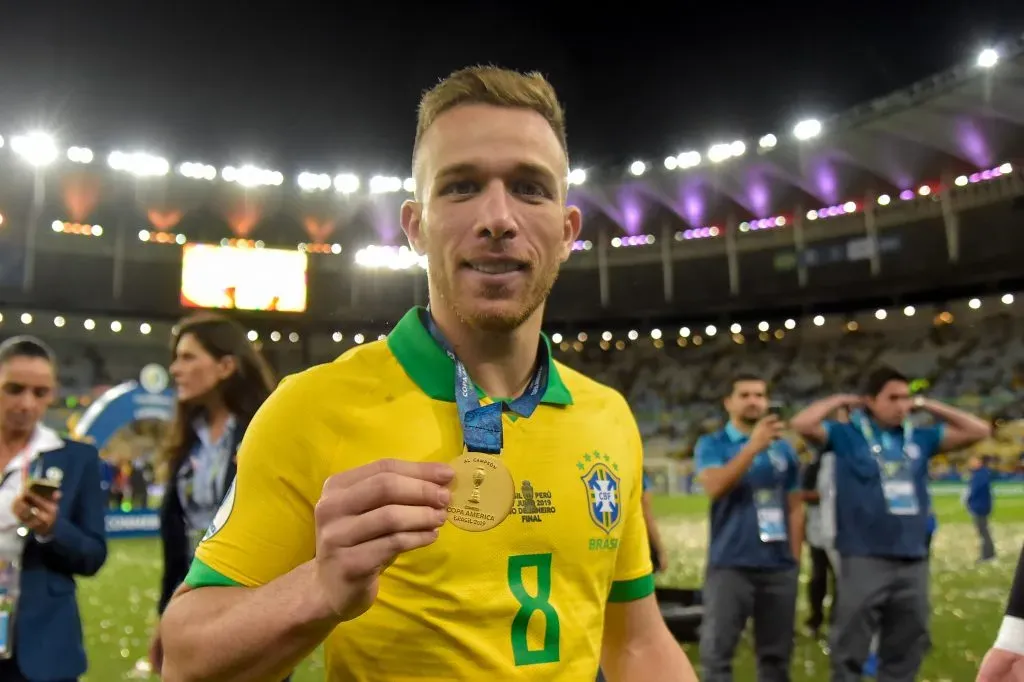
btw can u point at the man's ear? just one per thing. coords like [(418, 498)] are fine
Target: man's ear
[(412, 214)]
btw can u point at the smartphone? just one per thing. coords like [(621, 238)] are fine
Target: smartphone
[(775, 410), (43, 487)]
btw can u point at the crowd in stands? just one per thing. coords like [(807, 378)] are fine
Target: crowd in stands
[(674, 385)]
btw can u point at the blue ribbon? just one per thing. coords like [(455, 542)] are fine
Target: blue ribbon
[(481, 424)]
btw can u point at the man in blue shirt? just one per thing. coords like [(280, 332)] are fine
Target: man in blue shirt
[(751, 476), (882, 506), (979, 504)]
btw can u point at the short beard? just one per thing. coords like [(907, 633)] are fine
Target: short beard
[(534, 298)]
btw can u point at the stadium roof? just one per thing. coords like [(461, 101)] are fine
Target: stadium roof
[(970, 118)]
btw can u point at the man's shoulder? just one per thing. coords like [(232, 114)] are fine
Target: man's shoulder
[(353, 371)]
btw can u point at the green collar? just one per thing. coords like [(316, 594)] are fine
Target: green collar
[(433, 371)]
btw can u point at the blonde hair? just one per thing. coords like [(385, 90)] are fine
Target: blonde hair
[(496, 86)]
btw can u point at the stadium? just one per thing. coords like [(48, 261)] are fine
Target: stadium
[(884, 235)]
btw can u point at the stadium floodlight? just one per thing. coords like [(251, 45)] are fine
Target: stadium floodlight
[(689, 159), (313, 182), (556, 338), (384, 184), (988, 58), (577, 176), (819, 320), (409, 185), (389, 258), (719, 153), (763, 326), (974, 303), (671, 163), (1007, 299), (637, 168), (358, 338), (37, 148), (252, 176), (767, 141), (139, 164), (80, 155), (736, 328), (790, 324), (346, 183), (656, 334), (738, 148), (710, 330), (145, 328), (198, 171), (909, 311), (807, 129), (880, 314)]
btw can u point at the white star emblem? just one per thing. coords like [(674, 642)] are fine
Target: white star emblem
[(604, 499)]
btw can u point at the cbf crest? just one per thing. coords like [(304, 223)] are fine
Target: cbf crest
[(603, 490)]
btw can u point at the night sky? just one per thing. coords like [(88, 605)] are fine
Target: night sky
[(314, 87)]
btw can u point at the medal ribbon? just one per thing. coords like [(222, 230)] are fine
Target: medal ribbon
[(877, 448), (481, 424)]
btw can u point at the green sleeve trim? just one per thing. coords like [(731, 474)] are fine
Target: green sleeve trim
[(201, 575), (631, 590)]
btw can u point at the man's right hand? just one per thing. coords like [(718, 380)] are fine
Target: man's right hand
[(765, 431), (366, 517)]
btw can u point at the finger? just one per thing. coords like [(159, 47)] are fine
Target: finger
[(383, 489), (378, 523), (40, 502), (435, 472), (370, 557)]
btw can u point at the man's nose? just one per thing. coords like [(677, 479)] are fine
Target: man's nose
[(495, 219)]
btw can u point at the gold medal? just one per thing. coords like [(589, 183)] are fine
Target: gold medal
[(482, 492)]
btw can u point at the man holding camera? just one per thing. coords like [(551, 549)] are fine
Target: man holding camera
[(751, 475)]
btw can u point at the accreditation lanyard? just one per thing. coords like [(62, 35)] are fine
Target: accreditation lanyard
[(481, 424), (877, 448)]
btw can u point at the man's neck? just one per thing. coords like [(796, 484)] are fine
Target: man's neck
[(741, 426), (500, 363)]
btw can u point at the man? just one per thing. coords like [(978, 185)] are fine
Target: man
[(882, 507), (751, 476), (361, 483), (979, 504), (1005, 660), (821, 567), (51, 523)]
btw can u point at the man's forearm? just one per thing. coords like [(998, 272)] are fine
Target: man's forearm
[(237, 634), (967, 424), (663, 660), (811, 417), (718, 481)]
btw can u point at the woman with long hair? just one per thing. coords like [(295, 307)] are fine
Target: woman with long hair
[(221, 381)]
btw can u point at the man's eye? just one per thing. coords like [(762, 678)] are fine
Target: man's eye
[(460, 187), (529, 188)]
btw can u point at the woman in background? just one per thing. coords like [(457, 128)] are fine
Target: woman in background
[(221, 381)]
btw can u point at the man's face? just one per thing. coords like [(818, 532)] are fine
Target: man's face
[(491, 215), (892, 404), (26, 391), (748, 401)]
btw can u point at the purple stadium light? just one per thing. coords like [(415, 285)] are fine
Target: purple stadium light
[(907, 194)]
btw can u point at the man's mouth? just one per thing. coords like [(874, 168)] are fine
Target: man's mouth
[(496, 267)]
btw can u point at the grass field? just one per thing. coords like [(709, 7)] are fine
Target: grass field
[(967, 601)]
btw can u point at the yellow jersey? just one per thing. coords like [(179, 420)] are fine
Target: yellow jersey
[(522, 601)]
